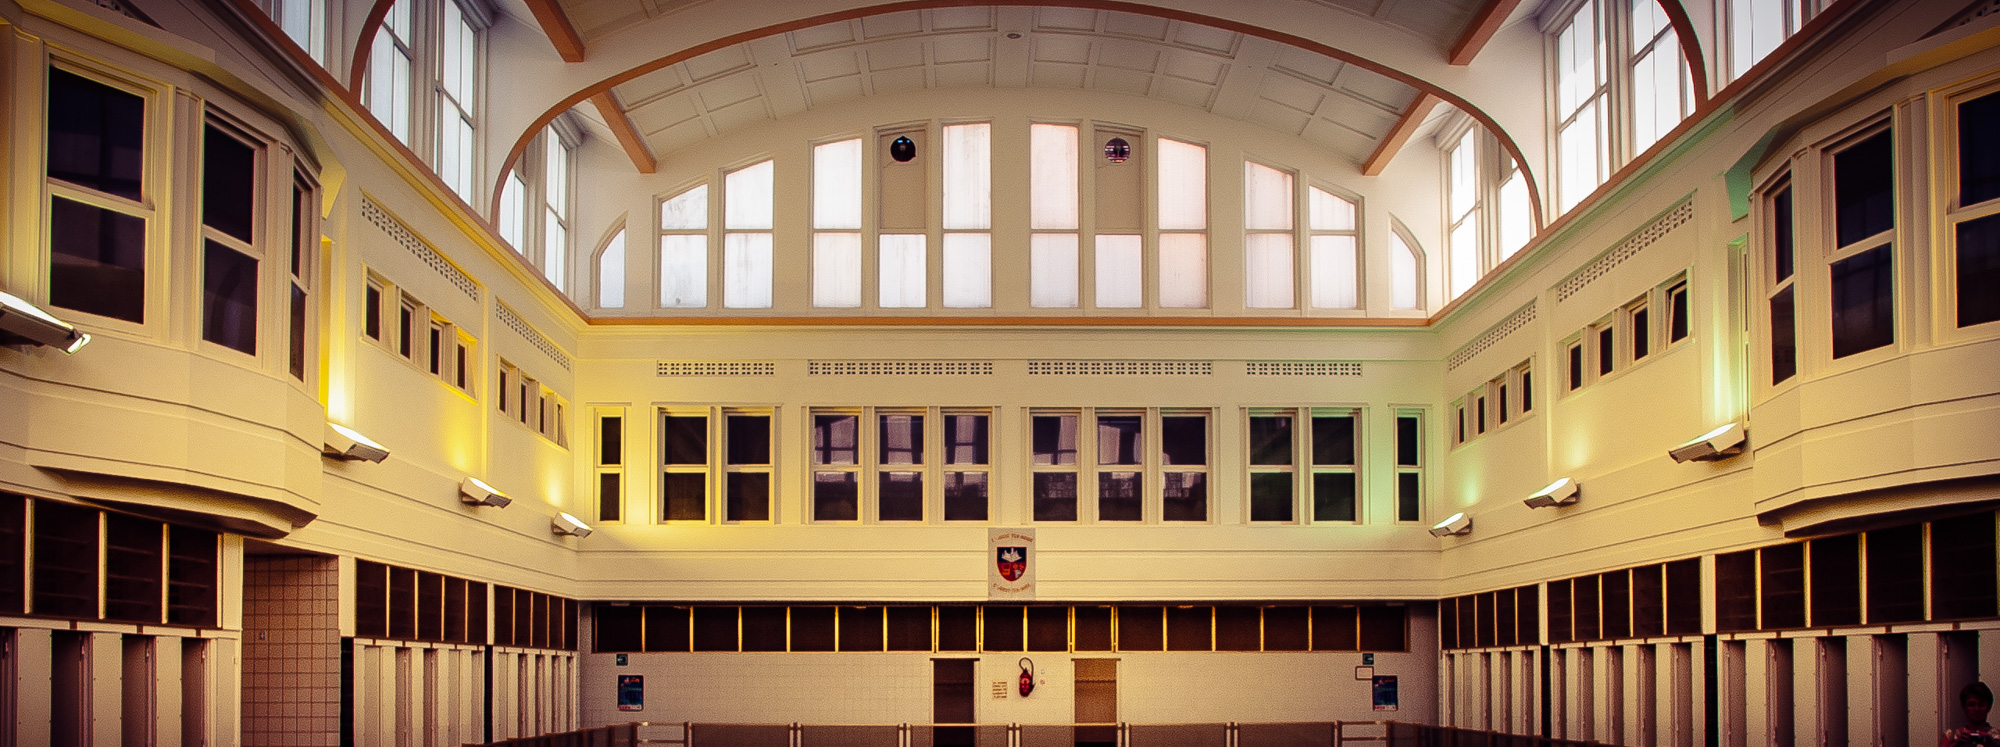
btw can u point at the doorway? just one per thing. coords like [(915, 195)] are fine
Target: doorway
[(1097, 702), (951, 702)]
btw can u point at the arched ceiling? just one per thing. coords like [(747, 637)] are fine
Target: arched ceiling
[(1339, 106)]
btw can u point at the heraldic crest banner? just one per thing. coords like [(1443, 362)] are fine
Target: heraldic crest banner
[(1010, 564)]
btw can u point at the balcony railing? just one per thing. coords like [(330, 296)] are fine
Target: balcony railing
[(1215, 734)]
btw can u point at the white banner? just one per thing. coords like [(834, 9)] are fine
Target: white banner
[(1010, 564)]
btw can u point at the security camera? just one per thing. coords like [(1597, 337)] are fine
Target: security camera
[(21, 320), (1560, 492), (1716, 444), (567, 525), (475, 492), (345, 444), (1459, 523)]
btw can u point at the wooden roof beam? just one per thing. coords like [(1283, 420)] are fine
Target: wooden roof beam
[(555, 23), (1406, 125), (627, 134), (1484, 25)]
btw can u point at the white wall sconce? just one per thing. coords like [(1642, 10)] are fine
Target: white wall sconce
[(1458, 523), (1559, 493), (475, 492), (1726, 441), (566, 525), (346, 444), (23, 321)]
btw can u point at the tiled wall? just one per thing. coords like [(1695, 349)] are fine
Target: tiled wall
[(291, 650)]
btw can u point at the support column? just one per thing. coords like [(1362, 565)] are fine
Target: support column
[(1926, 685), (107, 687)]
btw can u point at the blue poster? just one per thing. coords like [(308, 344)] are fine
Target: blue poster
[(1385, 692), (631, 692)]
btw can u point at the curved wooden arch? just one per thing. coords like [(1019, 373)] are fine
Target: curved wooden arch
[(1690, 48), (1422, 86), (366, 44)]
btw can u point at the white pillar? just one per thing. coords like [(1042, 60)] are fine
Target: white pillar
[(33, 666), (107, 687)]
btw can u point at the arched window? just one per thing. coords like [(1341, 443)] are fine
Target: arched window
[(611, 272), (1406, 273)]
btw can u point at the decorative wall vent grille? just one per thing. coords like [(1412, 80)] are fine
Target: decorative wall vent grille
[(1625, 250), (718, 368), (402, 235), (1977, 10), (1120, 368), (1302, 368), (899, 368), (1477, 345), (534, 337)]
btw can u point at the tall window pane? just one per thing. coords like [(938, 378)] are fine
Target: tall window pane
[(1267, 247)]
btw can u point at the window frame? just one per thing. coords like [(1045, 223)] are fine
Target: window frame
[(1615, 55), (1151, 467), (870, 465), (258, 248), (1828, 252), (391, 302), (715, 469), (1302, 466), (157, 151), (1953, 214)]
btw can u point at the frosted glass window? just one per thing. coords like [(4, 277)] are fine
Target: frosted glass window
[(1662, 90), (968, 271), (687, 211), (555, 250), (1335, 281), (1053, 273), (901, 276), (684, 271), (1405, 278), (1121, 272), (1053, 168), (611, 273), (301, 20), (514, 211), (1183, 271), (389, 78), (1463, 186), (1267, 198), (1183, 188), (837, 270), (746, 270), (1464, 256), (1581, 144), (1516, 215), (1759, 26), (837, 185), (747, 199), (1581, 152), (968, 180), (1329, 212), (1267, 263)]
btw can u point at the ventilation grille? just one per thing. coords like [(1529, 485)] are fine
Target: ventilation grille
[(516, 323), (402, 235), (718, 368), (1477, 345), (1302, 368), (1977, 10), (1120, 368), (1624, 251), (899, 368)]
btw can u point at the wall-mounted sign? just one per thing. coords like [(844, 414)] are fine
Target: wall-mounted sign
[(631, 692), (1385, 692), (1010, 569)]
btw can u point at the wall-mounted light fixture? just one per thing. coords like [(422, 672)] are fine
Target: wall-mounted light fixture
[(476, 492), (24, 322), (1725, 441), (1558, 493), (344, 443), (566, 525), (1458, 523)]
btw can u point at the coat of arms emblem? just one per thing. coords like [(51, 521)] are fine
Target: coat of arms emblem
[(1012, 561)]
